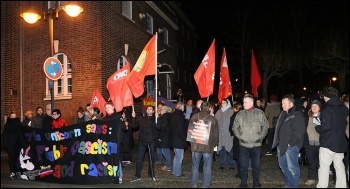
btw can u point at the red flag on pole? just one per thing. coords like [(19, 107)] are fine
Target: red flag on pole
[(98, 101), (255, 76), (145, 65), (119, 91), (225, 89), (205, 73)]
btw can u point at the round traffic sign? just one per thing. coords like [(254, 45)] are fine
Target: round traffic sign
[(53, 68)]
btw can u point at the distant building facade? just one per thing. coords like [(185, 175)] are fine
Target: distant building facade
[(91, 47)]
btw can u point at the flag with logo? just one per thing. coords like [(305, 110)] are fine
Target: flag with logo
[(225, 88), (255, 76), (205, 73), (119, 92), (145, 65), (98, 101)]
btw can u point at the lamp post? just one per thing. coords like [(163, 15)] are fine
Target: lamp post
[(54, 7)]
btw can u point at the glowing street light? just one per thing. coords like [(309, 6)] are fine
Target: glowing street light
[(31, 17)]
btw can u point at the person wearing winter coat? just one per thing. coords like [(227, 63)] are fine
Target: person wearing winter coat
[(11, 140)]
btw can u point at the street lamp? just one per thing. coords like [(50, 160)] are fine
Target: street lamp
[(332, 79), (72, 9)]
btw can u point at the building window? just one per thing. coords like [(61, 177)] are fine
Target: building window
[(168, 87), (149, 23), (127, 9), (121, 62), (165, 36), (150, 88), (63, 86)]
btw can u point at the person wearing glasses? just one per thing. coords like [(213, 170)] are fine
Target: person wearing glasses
[(58, 120)]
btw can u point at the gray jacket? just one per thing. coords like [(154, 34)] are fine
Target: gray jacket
[(250, 127)]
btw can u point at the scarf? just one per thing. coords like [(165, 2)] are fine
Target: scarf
[(228, 105)]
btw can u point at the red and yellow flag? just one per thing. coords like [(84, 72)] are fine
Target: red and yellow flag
[(205, 73), (225, 88), (119, 92), (255, 76), (145, 65)]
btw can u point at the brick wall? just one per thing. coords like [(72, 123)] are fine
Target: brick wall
[(93, 42)]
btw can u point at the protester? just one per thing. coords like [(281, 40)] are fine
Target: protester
[(333, 141), (312, 148), (272, 111), (237, 107), (80, 116), (28, 115), (288, 139), (118, 119), (147, 138), (200, 149), (11, 141), (47, 121), (58, 120), (225, 139), (178, 130), (37, 121), (163, 137), (250, 127)]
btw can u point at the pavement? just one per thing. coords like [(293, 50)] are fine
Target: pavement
[(270, 176)]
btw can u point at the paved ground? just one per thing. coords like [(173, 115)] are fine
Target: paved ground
[(270, 177)]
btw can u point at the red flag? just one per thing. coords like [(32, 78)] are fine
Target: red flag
[(119, 91), (225, 89), (98, 101), (205, 73), (255, 76), (145, 65)]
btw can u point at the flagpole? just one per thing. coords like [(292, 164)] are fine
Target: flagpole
[(156, 59)]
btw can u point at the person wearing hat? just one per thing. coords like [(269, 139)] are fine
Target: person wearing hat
[(28, 115), (313, 141), (333, 142)]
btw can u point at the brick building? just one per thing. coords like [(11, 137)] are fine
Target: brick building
[(91, 48)]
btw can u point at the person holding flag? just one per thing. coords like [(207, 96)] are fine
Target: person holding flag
[(147, 139)]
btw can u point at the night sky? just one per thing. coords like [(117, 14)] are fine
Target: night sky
[(264, 23)]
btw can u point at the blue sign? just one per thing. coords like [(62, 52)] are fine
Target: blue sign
[(53, 68)]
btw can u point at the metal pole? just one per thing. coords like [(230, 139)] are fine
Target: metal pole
[(51, 84)]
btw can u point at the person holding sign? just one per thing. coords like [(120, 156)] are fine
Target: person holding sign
[(203, 134)]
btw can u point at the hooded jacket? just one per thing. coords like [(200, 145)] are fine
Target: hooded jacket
[(332, 129)]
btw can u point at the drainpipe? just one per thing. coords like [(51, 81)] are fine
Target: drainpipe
[(21, 49)]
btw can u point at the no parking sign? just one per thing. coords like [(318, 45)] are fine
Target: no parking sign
[(53, 68)]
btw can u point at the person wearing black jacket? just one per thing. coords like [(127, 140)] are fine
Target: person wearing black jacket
[(147, 138), (47, 120), (333, 141), (236, 108), (289, 136), (11, 140), (118, 119), (178, 130)]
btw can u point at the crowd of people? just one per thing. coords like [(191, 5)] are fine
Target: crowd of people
[(312, 132)]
